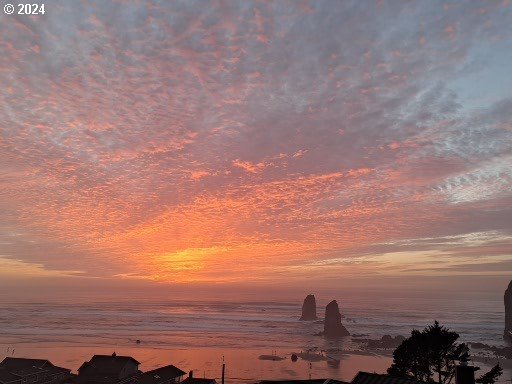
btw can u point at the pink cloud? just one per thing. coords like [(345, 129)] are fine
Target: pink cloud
[(168, 131), (248, 166)]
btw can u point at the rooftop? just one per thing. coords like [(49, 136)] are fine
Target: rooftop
[(312, 381), (13, 368), (16, 363), (7, 377), (375, 378), (104, 366), (194, 380), (158, 375)]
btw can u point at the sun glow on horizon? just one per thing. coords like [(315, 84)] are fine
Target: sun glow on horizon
[(252, 142)]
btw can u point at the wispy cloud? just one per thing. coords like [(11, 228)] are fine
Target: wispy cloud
[(235, 141)]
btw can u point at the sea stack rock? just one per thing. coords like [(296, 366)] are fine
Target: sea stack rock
[(332, 321), (309, 308), (508, 312)]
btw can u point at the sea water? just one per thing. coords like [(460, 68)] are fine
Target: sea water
[(202, 335)]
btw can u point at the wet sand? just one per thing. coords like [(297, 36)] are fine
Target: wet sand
[(242, 365)]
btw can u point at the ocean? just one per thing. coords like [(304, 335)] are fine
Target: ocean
[(201, 335)]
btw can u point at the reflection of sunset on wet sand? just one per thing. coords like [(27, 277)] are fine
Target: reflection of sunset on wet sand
[(242, 365)]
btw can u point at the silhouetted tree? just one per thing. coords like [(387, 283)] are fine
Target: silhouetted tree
[(429, 355), (491, 376)]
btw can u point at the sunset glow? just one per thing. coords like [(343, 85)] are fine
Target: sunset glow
[(228, 142)]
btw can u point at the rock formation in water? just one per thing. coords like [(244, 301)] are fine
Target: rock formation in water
[(309, 308), (332, 321), (385, 342), (508, 312)]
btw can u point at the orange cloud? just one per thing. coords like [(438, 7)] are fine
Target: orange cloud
[(248, 166), (122, 146)]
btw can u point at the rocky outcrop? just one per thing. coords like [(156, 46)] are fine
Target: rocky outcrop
[(508, 312), (500, 352), (332, 321), (309, 308), (385, 342)]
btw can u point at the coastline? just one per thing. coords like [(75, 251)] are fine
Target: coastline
[(242, 365), (197, 336), (247, 365)]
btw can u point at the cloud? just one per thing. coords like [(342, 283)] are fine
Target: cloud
[(248, 166), (253, 138)]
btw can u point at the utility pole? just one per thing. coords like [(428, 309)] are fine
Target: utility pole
[(223, 369)]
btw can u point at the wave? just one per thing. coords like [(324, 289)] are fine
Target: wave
[(171, 323)]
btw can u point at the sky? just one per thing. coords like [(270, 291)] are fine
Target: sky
[(249, 144)]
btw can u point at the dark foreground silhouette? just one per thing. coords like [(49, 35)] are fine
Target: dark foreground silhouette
[(434, 356)]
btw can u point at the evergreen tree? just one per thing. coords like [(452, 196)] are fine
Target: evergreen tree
[(491, 376), (429, 355)]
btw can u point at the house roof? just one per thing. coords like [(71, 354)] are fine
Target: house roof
[(16, 363), (375, 378), (13, 369), (159, 375), (312, 381), (194, 380), (104, 366), (7, 377)]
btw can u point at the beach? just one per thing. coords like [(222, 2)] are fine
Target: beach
[(242, 365)]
